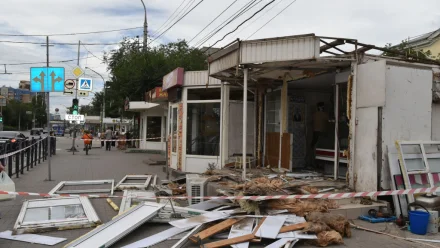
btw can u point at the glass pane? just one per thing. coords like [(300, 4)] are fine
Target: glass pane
[(174, 130), (203, 129), (412, 154), (154, 126), (36, 214), (432, 155), (54, 213)]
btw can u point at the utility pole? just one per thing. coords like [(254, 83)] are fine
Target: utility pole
[(73, 149), (145, 28), (48, 117)]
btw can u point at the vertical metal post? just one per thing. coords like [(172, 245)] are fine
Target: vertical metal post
[(336, 158), (28, 154), (245, 90), (10, 162), (35, 152), (32, 152), (48, 115), (145, 28), (39, 151), (23, 145), (17, 162)]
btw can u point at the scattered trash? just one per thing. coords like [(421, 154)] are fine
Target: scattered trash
[(112, 204), (329, 238)]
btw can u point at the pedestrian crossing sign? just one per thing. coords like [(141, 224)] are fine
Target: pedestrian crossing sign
[(85, 84)]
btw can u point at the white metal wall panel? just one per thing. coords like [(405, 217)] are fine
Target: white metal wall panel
[(224, 63), (435, 115), (365, 165), (407, 114), (371, 84), (199, 78), (283, 49), (199, 164)]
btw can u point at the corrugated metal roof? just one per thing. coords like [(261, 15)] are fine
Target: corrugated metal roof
[(198, 78)]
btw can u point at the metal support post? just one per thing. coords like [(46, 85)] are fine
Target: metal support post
[(48, 116), (245, 90), (336, 157), (28, 154), (10, 165), (35, 152), (23, 145), (17, 163), (32, 152)]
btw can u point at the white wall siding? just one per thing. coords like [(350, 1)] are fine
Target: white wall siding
[(199, 78), (223, 63), (407, 112), (281, 49), (199, 164), (371, 84), (366, 149)]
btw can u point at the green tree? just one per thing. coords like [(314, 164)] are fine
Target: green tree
[(409, 52), (134, 71)]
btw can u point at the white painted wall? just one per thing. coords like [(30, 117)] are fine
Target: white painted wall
[(371, 84), (199, 164), (365, 162), (407, 114)]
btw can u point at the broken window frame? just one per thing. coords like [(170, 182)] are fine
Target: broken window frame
[(57, 189), (90, 220), (122, 230), (403, 166), (129, 195), (141, 186)]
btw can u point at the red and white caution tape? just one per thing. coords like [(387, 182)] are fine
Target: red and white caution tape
[(254, 198), (96, 139)]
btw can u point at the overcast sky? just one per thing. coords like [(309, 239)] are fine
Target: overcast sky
[(375, 21)]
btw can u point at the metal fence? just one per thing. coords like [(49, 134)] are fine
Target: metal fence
[(21, 155)]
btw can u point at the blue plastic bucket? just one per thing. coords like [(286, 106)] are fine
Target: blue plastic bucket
[(418, 222)]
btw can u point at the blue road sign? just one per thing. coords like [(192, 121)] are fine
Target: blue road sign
[(47, 79), (85, 84)]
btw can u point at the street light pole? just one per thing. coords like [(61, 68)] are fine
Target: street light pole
[(103, 100), (145, 27)]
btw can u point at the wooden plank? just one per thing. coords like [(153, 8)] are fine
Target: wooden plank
[(237, 240), (295, 227), (213, 230)]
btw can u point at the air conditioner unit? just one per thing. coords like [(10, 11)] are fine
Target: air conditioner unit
[(191, 176), (196, 187)]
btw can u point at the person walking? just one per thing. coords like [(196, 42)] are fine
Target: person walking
[(108, 137)]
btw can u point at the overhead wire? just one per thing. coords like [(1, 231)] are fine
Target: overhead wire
[(232, 18), (177, 21), (58, 43), (174, 18), (77, 33), (262, 15), (272, 19), (261, 9), (33, 63), (92, 53), (230, 5)]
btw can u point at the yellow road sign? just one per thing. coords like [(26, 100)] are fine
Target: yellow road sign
[(77, 71)]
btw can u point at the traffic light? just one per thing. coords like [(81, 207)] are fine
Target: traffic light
[(75, 107), (1, 119)]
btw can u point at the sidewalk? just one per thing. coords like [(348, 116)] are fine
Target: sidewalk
[(99, 164)]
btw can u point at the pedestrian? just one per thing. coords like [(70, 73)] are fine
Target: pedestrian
[(108, 137)]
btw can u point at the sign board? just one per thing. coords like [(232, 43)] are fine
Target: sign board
[(83, 93), (173, 79), (68, 92), (69, 84), (156, 95), (74, 118), (85, 84), (77, 72), (47, 79)]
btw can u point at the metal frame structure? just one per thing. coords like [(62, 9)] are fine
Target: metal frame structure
[(57, 189), (142, 186), (109, 233), (90, 220), (403, 165)]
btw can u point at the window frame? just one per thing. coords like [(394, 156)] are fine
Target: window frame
[(91, 219)]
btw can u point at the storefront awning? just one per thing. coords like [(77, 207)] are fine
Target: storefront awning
[(141, 106)]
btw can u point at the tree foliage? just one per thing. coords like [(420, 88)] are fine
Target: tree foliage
[(133, 71), (14, 114), (409, 51)]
